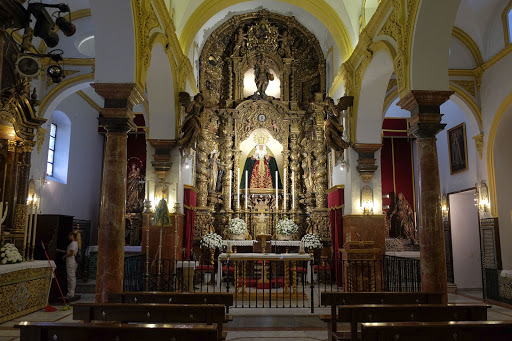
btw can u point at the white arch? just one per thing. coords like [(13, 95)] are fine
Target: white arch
[(159, 83), (431, 43), (371, 98)]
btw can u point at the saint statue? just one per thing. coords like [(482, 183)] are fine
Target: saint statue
[(133, 203), (262, 76), (261, 168), (401, 220), (216, 172), (333, 130), (192, 126)]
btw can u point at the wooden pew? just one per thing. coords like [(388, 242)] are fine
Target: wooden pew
[(407, 312), (439, 331), (173, 298), (152, 313), (45, 331), (334, 299)]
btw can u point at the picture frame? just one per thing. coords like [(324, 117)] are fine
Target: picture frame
[(457, 148)]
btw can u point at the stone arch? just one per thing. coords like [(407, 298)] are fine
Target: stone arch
[(61, 91), (374, 83), (428, 67), (160, 83)]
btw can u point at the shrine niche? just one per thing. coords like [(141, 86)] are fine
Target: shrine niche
[(262, 155), (273, 47)]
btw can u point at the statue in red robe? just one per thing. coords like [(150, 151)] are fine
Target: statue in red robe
[(261, 169)]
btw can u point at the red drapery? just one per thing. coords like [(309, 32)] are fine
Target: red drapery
[(335, 200), (190, 199)]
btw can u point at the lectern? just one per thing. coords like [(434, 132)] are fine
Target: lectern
[(362, 266)]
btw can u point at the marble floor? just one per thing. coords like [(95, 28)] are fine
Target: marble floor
[(297, 324)]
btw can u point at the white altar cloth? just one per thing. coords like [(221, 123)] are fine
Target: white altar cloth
[(127, 248), (261, 256), (6, 268)]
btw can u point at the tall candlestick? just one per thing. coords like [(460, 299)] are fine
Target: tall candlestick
[(35, 228), (277, 191), (29, 230), (293, 189), (284, 197), (246, 185), (230, 179), (238, 188)]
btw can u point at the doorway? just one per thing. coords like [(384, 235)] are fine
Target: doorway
[(464, 221)]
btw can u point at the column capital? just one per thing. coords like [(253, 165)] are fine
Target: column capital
[(119, 95), (120, 125), (424, 105)]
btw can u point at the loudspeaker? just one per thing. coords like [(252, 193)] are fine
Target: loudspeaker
[(28, 66)]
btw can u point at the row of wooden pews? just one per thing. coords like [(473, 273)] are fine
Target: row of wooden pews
[(408, 316), (139, 315)]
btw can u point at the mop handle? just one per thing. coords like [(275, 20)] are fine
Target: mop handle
[(54, 275)]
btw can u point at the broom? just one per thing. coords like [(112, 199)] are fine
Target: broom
[(49, 307)]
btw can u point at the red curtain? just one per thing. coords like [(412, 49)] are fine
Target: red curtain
[(190, 200), (335, 200)]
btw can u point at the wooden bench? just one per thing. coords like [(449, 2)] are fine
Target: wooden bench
[(173, 298), (152, 313), (439, 331), (355, 314), (334, 299), (45, 331)]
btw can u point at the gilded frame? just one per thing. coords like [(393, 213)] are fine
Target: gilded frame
[(457, 148)]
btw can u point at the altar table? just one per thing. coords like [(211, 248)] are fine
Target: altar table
[(24, 288), (275, 257)]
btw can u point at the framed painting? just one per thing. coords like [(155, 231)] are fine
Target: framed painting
[(457, 148)]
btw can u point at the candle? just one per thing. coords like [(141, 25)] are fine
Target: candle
[(246, 184), (147, 188), (293, 189), (284, 197), (29, 230), (35, 227), (301, 249), (238, 190), (177, 191), (277, 192), (230, 178)]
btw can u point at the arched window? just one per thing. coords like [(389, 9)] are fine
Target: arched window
[(506, 17), (58, 147)]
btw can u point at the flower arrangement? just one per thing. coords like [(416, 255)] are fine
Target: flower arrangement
[(286, 226), (9, 254), (311, 241), (237, 226), (211, 241)]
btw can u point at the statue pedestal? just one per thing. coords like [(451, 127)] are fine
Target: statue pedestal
[(362, 266)]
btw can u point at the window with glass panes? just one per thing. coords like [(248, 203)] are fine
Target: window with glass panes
[(51, 150)]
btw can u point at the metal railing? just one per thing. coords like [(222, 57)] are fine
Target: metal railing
[(275, 283)]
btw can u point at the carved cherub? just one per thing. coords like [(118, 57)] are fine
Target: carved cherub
[(285, 45), (275, 127), (249, 125), (241, 41)]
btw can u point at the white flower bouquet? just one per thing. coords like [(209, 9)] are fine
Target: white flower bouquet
[(211, 241), (286, 226), (311, 241), (9, 254), (237, 226)]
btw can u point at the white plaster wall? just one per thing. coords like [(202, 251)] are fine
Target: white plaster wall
[(453, 116), (80, 197), (503, 165), (465, 240), (460, 57)]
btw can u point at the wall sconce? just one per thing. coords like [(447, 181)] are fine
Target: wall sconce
[(483, 196), (367, 200), (444, 206)]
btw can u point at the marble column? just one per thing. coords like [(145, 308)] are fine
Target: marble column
[(117, 119), (425, 123)]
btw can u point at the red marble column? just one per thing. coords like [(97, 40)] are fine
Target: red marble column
[(117, 119), (425, 123)]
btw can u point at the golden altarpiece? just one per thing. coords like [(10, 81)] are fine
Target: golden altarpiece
[(234, 122)]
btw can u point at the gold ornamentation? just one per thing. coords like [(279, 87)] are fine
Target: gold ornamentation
[(20, 217), (469, 86), (479, 142), (392, 83)]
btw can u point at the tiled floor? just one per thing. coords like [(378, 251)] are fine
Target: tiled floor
[(297, 324)]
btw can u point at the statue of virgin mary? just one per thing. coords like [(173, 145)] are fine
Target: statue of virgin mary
[(261, 168)]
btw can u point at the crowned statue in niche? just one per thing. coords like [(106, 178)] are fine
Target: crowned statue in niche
[(261, 166)]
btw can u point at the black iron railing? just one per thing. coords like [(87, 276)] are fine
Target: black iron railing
[(274, 283)]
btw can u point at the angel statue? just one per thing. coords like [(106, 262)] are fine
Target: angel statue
[(333, 129), (191, 126), (262, 76)]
